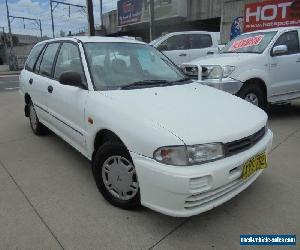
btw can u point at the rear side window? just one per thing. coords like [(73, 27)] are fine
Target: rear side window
[(33, 56), (200, 41), (48, 59), (291, 40), (177, 42)]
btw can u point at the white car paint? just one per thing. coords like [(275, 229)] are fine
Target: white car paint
[(280, 74), (188, 54), (147, 119)]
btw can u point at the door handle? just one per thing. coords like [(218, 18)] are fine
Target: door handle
[(210, 53), (30, 81), (183, 54), (50, 89), (298, 60)]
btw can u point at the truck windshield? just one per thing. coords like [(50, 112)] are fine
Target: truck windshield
[(116, 65), (249, 43)]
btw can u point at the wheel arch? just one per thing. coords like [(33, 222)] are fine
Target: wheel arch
[(259, 82), (105, 135)]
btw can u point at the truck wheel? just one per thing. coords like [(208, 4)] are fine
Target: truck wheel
[(37, 127), (253, 94), (115, 176)]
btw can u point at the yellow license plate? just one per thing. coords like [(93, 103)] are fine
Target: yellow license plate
[(255, 163)]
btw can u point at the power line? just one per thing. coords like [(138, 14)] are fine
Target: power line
[(37, 21), (53, 6)]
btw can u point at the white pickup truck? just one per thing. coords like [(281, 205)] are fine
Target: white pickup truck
[(185, 46), (262, 67)]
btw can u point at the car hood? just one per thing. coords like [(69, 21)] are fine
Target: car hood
[(193, 112), (232, 59)]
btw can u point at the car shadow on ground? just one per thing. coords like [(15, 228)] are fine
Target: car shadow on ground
[(276, 112)]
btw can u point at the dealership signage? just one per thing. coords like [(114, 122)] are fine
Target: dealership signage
[(129, 11), (271, 14)]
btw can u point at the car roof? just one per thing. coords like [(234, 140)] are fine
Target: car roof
[(191, 32), (280, 29), (93, 39)]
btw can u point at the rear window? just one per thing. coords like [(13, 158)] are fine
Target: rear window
[(33, 56)]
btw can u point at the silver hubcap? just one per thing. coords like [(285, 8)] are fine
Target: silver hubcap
[(252, 98), (33, 117), (120, 178)]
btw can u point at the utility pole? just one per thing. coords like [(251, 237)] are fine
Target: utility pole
[(9, 27), (101, 13), (41, 31), (152, 20), (90, 14), (52, 21)]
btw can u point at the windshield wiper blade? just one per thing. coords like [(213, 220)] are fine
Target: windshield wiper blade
[(145, 83), (185, 79)]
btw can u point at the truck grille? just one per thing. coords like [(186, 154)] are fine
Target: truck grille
[(241, 145)]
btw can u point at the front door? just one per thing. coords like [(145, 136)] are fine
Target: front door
[(66, 103), (177, 47), (285, 69)]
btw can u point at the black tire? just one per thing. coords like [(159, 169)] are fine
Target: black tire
[(37, 127), (106, 151), (254, 90)]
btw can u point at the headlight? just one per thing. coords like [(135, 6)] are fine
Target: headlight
[(227, 70), (219, 72), (189, 155)]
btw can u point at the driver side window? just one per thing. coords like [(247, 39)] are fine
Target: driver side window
[(68, 60), (291, 40)]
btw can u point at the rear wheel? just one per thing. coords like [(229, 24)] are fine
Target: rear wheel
[(37, 127), (115, 175), (253, 94)]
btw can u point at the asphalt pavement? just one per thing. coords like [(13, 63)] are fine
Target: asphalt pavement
[(9, 82), (49, 200)]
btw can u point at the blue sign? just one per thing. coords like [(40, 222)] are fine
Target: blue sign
[(129, 11), (267, 240), (237, 27)]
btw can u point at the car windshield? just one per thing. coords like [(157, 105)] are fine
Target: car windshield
[(249, 43), (117, 65)]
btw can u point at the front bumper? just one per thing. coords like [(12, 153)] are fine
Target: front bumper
[(188, 191), (229, 85)]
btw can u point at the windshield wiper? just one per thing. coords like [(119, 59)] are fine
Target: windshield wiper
[(145, 83), (185, 79)]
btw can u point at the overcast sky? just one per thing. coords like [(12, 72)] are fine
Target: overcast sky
[(41, 9)]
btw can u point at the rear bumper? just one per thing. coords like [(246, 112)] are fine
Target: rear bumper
[(188, 191)]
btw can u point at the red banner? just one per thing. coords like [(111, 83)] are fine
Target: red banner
[(271, 14)]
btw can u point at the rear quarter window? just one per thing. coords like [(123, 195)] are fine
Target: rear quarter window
[(33, 56)]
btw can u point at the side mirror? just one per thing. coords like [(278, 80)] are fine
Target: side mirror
[(162, 47), (279, 50), (72, 79)]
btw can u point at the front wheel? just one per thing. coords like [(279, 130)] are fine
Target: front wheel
[(115, 175), (253, 94)]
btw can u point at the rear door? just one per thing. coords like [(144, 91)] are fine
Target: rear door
[(284, 69), (200, 45), (177, 47), (66, 103), (29, 82), (41, 78)]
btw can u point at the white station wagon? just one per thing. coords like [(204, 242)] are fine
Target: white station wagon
[(155, 138)]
